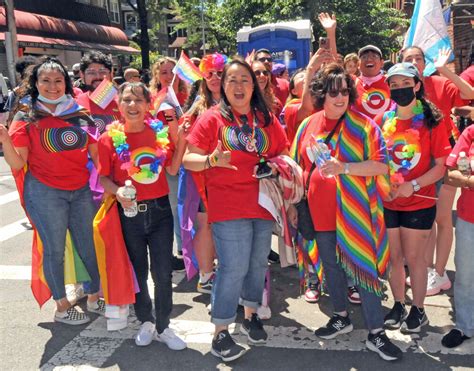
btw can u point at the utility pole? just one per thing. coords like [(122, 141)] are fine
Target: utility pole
[(11, 44), (202, 26)]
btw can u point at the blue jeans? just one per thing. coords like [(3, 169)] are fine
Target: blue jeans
[(464, 282), (173, 197), (53, 211), (337, 283), (151, 230), (242, 248)]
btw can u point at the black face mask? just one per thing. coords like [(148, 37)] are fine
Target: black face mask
[(403, 96)]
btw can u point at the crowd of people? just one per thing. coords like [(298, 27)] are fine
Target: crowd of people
[(361, 160)]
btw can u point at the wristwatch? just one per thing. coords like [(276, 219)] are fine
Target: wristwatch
[(416, 186), (346, 168)]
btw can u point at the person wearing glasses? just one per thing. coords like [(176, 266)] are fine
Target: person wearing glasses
[(211, 67), (264, 83), (227, 142), (345, 202), (373, 92), (281, 87)]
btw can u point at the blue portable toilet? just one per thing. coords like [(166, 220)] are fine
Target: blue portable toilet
[(288, 42)]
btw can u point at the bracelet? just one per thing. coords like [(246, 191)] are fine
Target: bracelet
[(213, 160), (207, 164)]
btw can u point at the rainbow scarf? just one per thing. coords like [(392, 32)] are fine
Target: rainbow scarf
[(362, 242)]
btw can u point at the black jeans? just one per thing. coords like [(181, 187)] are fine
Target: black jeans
[(153, 229)]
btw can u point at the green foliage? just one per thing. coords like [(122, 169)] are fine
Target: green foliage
[(362, 22), (137, 60)]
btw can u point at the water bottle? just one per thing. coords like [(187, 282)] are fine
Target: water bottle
[(130, 192), (464, 165), (321, 154)]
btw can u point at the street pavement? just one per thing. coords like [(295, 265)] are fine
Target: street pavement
[(30, 340)]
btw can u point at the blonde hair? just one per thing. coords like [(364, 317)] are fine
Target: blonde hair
[(352, 57), (155, 85)]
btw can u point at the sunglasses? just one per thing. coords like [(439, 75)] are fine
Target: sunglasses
[(334, 93), (261, 72), (265, 59), (208, 75)]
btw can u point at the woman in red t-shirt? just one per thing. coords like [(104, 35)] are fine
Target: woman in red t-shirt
[(227, 142), (141, 151), (51, 139), (415, 139), (264, 83), (212, 67)]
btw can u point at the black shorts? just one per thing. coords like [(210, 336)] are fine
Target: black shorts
[(417, 219)]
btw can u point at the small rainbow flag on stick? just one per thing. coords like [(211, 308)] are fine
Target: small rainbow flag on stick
[(186, 69), (104, 94)]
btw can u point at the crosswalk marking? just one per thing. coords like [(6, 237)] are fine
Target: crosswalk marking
[(11, 230), (15, 272), (9, 197)]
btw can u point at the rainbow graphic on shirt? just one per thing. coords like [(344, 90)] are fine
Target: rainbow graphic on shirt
[(138, 157), (63, 139), (375, 101), (104, 94), (405, 150), (187, 70), (233, 139)]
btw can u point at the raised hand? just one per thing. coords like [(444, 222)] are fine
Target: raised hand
[(319, 58), (327, 21), (220, 158), (443, 57)]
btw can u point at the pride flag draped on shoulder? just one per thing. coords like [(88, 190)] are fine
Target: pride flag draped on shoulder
[(428, 31), (187, 70)]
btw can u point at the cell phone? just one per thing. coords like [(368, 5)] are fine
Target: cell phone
[(263, 170), (323, 43)]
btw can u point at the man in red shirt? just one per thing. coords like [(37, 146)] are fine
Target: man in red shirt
[(281, 87), (373, 91)]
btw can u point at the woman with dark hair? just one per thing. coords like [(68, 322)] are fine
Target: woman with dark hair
[(140, 151), (345, 201), (264, 83), (227, 142), (51, 139), (445, 92), (414, 139)]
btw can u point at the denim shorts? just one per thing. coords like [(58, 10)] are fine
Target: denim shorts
[(417, 219)]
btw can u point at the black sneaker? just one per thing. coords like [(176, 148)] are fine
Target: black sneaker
[(394, 319), (337, 325), (415, 320), (178, 264), (381, 344), (273, 257), (253, 328), (224, 347), (453, 338)]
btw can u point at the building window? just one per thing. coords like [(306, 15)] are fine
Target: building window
[(114, 11)]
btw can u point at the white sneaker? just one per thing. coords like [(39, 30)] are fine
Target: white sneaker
[(171, 339), (436, 283), (429, 272), (145, 335), (74, 292)]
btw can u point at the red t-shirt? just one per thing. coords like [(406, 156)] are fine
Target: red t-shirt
[(233, 194), (468, 75), (290, 114), (465, 143), (102, 117), (427, 147), (142, 148), (281, 88), (444, 95), (372, 99), (57, 151)]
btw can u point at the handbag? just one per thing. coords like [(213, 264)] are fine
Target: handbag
[(305, 224)]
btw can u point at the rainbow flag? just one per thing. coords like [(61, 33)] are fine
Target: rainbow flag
[(104, 94), (118, 279), (186, 69)]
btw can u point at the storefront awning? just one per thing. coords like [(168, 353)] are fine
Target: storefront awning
[(44, 31), (62, 44)]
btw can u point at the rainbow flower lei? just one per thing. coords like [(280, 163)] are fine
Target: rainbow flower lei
[(119, 140), (412, 136)]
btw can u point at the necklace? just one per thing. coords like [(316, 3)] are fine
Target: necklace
[(407, 140), (119, 139), (248, 133)]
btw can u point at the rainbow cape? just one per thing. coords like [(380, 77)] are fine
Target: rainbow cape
[(362, 242), (187, 70), (117, 277)]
